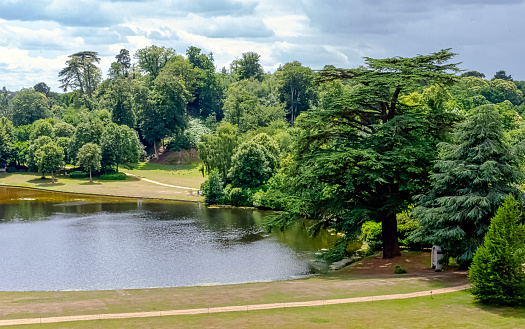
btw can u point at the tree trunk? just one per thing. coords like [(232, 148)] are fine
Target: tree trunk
[(390, 243), (155, 148), (90, 177), (52, 178)]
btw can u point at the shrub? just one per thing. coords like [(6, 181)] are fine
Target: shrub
[(212, 188), (115, 176), (371, 233), (238, 197), (78, 174), (496, 273), (399, 270)]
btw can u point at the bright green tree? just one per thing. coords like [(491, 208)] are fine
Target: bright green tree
[(32, 148), (497, 273), (88, 131), (471, 179), (42, 128), (7, 142), (28, 106), (64, 129), (49, 158), (216, 150), (250, 166), (364, 154), (89, 157), (152, 59), (120, 146), (296, 88)]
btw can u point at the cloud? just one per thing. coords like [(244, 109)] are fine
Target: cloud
[(229, 27)]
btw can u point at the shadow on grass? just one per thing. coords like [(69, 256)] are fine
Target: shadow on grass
[(163, 167), (90, 183), (504, 311)]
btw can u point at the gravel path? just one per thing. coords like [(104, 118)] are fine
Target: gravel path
[(243, 308)]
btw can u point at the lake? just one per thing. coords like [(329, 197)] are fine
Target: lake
[(57, 241)]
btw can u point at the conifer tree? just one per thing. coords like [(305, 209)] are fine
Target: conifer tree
[(470, 181), (497, 273)]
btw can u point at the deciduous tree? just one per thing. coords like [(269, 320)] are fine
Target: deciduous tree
[(49, 158), (89, 157)]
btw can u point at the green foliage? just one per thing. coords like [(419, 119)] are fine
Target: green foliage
[(247, 67), (28, 106), (371, 233), (115, 176), (7, 142), (78, 174), (88, 131), (216, 150), (399, 270), (499, 90), (120, 146), (89, 157), (30, 153), (212, 188), (152, 59), (251, 165), (497, 272), (42, 127), (49, 158), (337, 253), (81, 73), (237, 196), (472, 177), (64, 129), (191, 136)]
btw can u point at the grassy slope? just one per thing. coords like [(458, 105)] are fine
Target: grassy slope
[(453, 310), (187, 176)]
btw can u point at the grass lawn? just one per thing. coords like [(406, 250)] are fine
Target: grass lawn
[(452, 310), (185, 176)]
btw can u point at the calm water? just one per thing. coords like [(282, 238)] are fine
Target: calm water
[(54, 241)]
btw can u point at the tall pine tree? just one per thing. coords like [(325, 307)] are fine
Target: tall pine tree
[(470, 181)]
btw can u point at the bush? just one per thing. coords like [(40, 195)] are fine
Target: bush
[(116, 176), (16, 168), (496, 273), (238, 197), (371, 233), (399, 270), (78, 174), (212, 188)]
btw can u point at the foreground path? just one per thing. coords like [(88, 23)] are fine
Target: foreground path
[(243, 308), (159, 183)]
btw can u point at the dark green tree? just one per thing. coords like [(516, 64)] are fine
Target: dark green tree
[(472, 74), (7, 142), (43, 88), (502, 75), (363, 154), (496, 273), (250, 165), (42, 127), (216, 150), (247, 67), (471, 179), (81, 73), (89, 131), (296, 88)]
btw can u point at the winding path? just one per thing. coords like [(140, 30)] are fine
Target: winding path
[(159, 183), (238, 308)]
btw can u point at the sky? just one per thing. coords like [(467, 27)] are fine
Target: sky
[(36, 37)]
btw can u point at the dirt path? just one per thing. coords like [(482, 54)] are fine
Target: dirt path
[(238, 308), (159, 183)]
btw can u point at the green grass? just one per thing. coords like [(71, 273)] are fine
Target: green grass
[(452, 310), (185, 176)]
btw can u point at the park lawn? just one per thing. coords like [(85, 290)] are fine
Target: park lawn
[(451, 310), (178, 175), (131, 187), (14, 305)]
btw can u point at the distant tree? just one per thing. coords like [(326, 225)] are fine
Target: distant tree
[(81, 73), (251, 165), (502, 75), (124, 59), (120, 146), (89, 131), (89, 157), (499, 90), (152, 59), (32, 148), (41, 87), (42, 128), (208, 91), (471, 179), (7, 141), (296, 86), (49, 158), (64, 129), (4, 104), (247, 67), (28, 106), (473, 74), (496, 273)]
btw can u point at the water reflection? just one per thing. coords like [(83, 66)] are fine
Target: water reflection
[(55, 241)]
